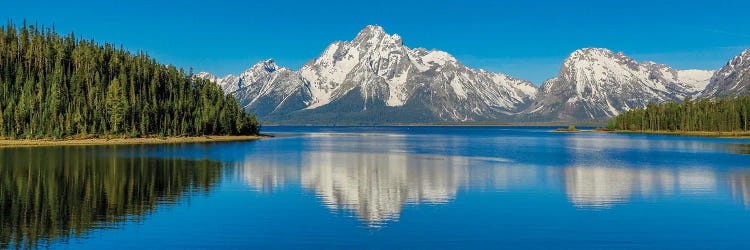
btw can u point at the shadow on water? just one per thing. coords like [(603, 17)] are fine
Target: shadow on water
[(52, 194)]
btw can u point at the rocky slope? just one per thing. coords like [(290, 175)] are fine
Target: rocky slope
[(597, 83), (732, 79)]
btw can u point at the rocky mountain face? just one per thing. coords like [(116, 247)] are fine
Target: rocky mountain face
[(265, 89), (732, 79), (376, 79), (598, 83)]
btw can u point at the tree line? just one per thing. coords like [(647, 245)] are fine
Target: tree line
[(54, 85), (718, 115)]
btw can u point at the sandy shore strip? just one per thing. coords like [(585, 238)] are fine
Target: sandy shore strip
[(126, 141)]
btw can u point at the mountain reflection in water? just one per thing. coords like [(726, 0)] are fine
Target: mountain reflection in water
[(374, 187)]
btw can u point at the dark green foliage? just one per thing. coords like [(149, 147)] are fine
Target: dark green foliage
[(58, 86), (52, 194), (720, 115)]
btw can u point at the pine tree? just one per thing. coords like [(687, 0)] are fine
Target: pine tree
[(116, 106)]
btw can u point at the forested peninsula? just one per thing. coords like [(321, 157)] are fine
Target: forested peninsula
[(721, 116), (61, 86)]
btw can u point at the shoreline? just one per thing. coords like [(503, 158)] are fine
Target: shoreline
[(733, 135), (12, 143), (711, 134), (433, 125)]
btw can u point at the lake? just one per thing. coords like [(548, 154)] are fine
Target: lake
[(383, 187)]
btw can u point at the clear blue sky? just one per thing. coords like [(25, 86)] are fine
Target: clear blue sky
[(528, 40)]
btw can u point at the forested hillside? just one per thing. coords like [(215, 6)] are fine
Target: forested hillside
[(55, 85), (720, 115)]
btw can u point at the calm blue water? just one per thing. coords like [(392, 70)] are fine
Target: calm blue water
[(401, 187)]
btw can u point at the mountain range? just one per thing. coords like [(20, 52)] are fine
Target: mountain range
[(376, 79)]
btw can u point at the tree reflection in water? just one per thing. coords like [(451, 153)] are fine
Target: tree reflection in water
[(54, 193)]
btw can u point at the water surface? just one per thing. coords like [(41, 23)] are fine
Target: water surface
[(383, 187)]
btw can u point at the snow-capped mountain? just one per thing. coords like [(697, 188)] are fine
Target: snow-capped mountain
[(732, 79), (597, 83), (265, 89), (375, 78)]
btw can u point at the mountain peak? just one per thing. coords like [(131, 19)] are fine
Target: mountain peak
[(592, 51), (597, 59), (373, 29), (373, 34), (743, 57), (732, 79), (206, 75), (595, 83), (268, 65), (584, 57), (370, 31)]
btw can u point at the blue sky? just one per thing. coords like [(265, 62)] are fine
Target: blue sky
[(525, 39)]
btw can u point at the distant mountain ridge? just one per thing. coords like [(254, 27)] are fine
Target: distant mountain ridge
[(595, 83), (376, 79), (732, 79)]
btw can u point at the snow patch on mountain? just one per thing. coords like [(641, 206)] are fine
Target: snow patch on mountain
[(695, 79)]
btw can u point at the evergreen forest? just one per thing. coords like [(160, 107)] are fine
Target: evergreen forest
[(728, 114), (58, 86)]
